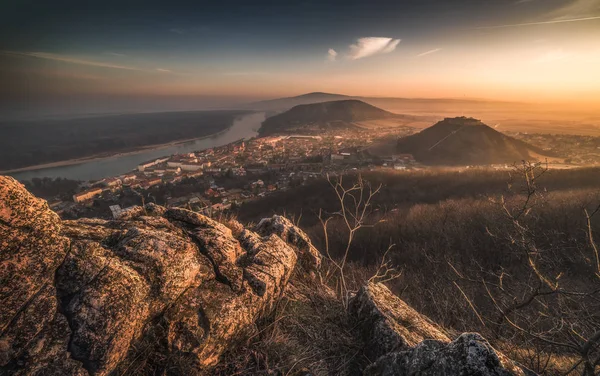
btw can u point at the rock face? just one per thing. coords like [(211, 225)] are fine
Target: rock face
[(91, 296), (469, 354), (404, 342), (310, 256)]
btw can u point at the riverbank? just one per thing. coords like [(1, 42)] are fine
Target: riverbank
[(114, 164), (100, 157)]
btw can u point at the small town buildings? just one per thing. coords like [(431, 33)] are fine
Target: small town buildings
[(86, 194), (143, 166)]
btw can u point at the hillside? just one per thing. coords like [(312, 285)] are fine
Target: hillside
[(466, 141), (168, 291), (323, 115)]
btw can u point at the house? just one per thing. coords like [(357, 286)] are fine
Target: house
[(143, 166), (116, 211), (150, 182), (86, 194)]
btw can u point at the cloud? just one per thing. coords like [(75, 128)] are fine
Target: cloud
[(244, 73), (370, 46), (557, 21), (114, 54), (177, 30), (331, 55), (429, 52), (71, 60), (576, 9), (78, 61), (570, 11)]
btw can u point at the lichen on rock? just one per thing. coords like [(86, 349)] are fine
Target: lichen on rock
[(83, 296)]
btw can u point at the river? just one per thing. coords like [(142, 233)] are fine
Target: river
[(245, 126)]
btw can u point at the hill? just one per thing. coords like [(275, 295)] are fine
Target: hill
[(466, 141), (323, 115), (413, 105), (283, 104)]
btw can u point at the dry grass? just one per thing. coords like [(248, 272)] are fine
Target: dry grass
[(308, 331)]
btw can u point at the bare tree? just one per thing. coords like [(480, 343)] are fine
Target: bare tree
[(355, 208), (542, 310)]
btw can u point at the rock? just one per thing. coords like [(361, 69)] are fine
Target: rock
[(281, 226), (31, 249), (93, 296), (388, 323), (468, 355), (404, 342)]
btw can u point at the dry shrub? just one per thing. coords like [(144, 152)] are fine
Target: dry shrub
[(309, 330)]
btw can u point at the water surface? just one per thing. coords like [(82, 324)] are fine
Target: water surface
[(245, 126)]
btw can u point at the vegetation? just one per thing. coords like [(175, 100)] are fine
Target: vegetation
[(477, 250), (49, 188)]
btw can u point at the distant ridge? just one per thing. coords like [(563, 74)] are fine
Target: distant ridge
[(323, 115), (283, 104), (466, 141)]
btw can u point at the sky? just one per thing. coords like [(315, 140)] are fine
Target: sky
[(106, 55)]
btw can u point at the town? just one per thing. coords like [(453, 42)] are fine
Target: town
[(219, 179), (215, 180)]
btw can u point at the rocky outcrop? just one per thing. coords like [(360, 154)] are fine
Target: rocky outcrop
[(403, 342), (469, 354), (388, 323), (283, 227), (92, 296)]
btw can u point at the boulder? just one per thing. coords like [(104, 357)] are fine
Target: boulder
[(94, 296), (403, 342), (33, 334), (286, 230), (468, 355), (388, 324)]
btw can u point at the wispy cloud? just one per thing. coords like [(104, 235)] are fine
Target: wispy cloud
[(331, 55), (78, 61), (243, 73), (115, 54), (576, 9), (71, 60), (539, 23), (429, 52), (177, 30), (370, 46)]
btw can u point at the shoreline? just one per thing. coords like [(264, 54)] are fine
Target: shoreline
[(99, 157)]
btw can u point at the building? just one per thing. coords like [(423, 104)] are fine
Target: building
[(150, 182), (86, 194), (112, 183), (116, 211), (143, 166)]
